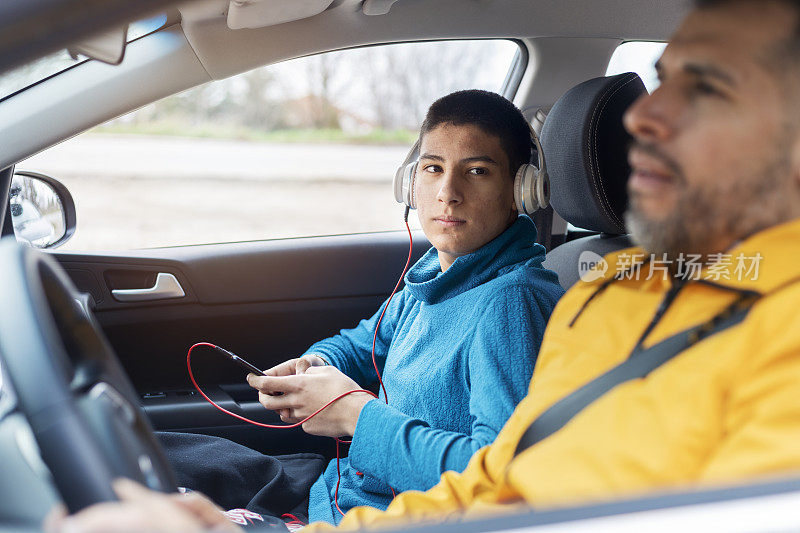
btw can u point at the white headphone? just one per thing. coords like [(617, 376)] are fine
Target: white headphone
[(531, 182)]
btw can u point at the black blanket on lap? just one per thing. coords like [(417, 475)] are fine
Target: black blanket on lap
[(235, 476)]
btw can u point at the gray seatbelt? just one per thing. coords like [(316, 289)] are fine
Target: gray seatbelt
[(640, 363)]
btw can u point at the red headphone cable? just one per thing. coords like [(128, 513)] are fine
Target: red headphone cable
[(315, 413), (397, 286), (244, 419)]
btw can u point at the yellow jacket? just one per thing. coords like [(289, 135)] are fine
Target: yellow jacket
[(727, 408)]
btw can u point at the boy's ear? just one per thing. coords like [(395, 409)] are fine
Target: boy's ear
[(514, 206), (513, 174)]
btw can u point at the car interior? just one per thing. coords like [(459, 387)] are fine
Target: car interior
[(71, 327)]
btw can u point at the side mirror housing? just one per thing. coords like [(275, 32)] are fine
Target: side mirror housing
[(42, 210)]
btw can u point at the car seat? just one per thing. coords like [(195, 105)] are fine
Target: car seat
[(586, 149)]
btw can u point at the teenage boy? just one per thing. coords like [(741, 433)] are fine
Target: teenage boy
[(456, 347)]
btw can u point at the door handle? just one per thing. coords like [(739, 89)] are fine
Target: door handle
[(166, 287)]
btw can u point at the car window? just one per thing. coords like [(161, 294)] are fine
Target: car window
[(301, 148), (639, 57)]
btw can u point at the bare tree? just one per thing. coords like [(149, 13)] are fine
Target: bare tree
[(321, 74), (257, 110), (405, 80), (389, 87)]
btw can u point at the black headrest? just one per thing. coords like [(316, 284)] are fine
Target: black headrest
[(585, 148)]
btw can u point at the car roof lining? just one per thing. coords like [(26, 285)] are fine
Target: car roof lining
[(225, 52)]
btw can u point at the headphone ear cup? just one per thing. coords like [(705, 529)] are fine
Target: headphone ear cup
[(397, 184), (525, 191), (411, 180), (404, 185), (531, 183), (542, 189), (531, 189)]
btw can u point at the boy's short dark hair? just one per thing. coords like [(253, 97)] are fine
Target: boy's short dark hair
[(491, 113)]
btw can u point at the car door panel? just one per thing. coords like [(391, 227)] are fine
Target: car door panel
[(266, 301)]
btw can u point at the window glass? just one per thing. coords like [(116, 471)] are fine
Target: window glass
[(639, 57), (301, 148), (52, 64), (30, 73)]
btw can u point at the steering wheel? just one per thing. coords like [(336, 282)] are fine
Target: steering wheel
[(81, 407)]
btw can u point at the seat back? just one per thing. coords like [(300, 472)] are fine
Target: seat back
[(586, 148)]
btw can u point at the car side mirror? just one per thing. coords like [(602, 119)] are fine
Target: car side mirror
[(42, 210)]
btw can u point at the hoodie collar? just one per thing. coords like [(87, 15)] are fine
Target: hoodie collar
[(506, 252)]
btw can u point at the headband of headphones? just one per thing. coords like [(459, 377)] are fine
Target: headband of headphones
[(531, 182)]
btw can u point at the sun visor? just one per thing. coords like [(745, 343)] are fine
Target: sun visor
[(377, 7), (261, 13)]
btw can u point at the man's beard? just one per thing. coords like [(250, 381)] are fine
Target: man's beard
[(711, 216)]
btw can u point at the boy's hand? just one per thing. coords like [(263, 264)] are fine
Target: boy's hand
[(303, 394), (298, 365)]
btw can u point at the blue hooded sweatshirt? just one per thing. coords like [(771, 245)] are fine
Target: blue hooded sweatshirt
[(456, 351)]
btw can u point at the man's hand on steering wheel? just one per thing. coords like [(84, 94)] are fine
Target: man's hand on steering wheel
[(140, 509)]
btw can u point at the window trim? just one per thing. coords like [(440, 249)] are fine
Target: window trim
[(519, 65)]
